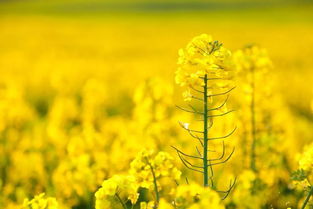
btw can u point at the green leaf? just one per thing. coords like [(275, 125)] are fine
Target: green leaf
[(299, 175)]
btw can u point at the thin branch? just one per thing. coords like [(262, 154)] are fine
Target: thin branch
[(197, 98), (224, 161), (211, 124), (222, 155), (121, 201), (198, 152), (195, 136), (196, 89), (212, 182), (187, 181), (186, 110), (223, 93), (187, 165), (219, 107), (231, 186), (184, 127), (222, 114), (191, 156), (223, 137), (212, 171), (200, 142), (194, 109)]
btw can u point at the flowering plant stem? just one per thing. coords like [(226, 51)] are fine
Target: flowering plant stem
[(121, 201), (205, 133), (307, 198), (253, 125), (202, 61), (156, 191)]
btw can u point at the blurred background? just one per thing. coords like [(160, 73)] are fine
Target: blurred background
[(41, 40), (73, 97)]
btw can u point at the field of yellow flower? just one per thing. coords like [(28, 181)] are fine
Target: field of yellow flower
[(105, 106)]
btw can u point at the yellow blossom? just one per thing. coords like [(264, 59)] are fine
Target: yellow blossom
[(116, 189), (40, 202), (194, 196), (200, 57), (147, 161)]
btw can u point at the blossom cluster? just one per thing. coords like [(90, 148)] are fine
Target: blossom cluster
[(203, 56), (40, 202), (116, 189)]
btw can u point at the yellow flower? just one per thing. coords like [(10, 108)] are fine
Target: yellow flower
[(40, 202), (165, 205), (148, 205), (247, 194), (161, 163), (306, 164), (252, 58), (194, 196), (118, 186), (200, 57), (187, 96)]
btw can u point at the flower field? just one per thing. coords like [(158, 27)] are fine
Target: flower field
[(142, 109)]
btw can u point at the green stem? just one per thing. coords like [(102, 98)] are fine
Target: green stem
[(121, 201), (205, 133), (253, 124), (156, 191), (307, 198)]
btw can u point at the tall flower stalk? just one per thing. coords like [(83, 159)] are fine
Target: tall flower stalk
[(205, 132), (253, 122), (252, 65), (205, 69), (307, 198)]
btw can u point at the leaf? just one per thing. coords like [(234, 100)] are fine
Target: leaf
[(299, 175)]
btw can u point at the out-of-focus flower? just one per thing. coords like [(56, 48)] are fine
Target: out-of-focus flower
[(40, 202)]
